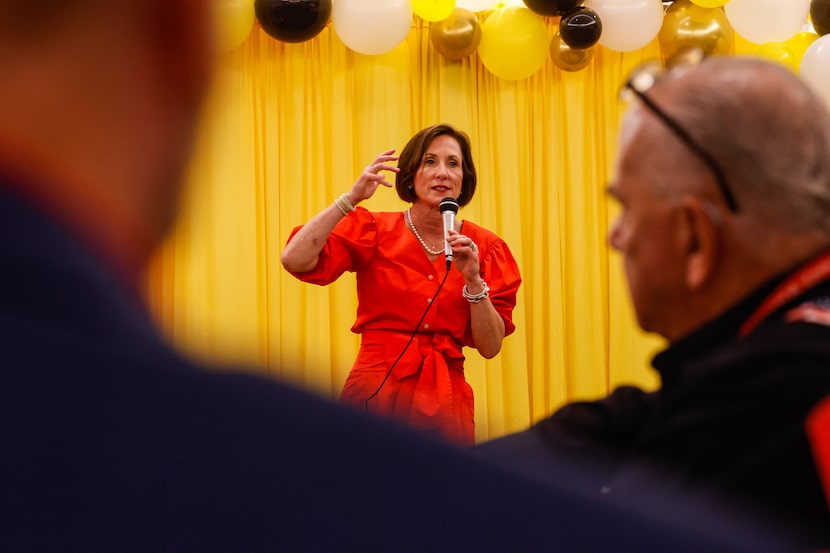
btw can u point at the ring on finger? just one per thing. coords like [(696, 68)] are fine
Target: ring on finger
[(473, 246)]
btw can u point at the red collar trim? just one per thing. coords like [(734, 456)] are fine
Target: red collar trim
[(796, 284)]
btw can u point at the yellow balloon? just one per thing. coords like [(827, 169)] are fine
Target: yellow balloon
[(778, 52), (234, 21), (569, 59), (457, 36), (514, 43), (710, 3), (687, 25), (799, 43), (433, 10), (743, 46)]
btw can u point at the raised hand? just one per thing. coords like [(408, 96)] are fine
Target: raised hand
[(372, 176)]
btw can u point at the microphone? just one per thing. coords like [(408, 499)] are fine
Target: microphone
[(448, 207)]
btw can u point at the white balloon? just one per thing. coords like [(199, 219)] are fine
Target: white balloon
[(369, 26), (762, 21), (476, 5), (628, 24), (815, 67)]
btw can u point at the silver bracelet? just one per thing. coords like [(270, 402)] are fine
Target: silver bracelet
[(475, 298)]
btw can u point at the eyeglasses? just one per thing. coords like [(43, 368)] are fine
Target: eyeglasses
[(639, 82)]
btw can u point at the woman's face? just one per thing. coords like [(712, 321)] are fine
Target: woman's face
[(440, 174)]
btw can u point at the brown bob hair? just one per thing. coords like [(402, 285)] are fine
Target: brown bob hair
[(412, 157)]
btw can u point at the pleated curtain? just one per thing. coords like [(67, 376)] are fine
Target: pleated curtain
[(288, 127)]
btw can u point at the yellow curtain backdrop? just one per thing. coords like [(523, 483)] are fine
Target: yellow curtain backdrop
[(290, 126)]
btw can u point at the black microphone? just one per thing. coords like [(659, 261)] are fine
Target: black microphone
[(448, 207)]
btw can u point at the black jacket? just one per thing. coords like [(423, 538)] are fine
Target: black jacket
[(725, 427)]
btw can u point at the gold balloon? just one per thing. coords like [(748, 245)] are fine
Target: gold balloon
[(457, 36), (710, 3), (687, 25), (569, 59)]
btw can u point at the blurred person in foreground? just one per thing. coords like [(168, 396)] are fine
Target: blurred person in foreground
[(723, 179), (111, 440), (416, 310)]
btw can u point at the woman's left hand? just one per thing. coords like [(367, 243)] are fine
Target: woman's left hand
[(465, 254), (485, 322)]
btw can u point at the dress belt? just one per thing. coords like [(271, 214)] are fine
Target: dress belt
[(434, 355)]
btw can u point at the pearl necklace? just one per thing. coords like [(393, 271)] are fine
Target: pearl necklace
[(418, 235)]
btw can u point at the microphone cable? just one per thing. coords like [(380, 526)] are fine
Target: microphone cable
[(406, 347)]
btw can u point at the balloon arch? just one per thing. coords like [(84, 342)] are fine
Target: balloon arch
[(511, 37)]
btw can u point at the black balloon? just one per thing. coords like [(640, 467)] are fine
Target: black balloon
[(293, 20), (820, 16), (580, 28), (552, 8)]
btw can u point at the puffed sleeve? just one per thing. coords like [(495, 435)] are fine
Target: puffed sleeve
[(501, 273), (349, 247)]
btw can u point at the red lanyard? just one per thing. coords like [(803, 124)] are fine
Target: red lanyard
[(805, 278)]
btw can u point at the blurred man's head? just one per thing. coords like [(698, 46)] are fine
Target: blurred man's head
[(99, 105), (755, 134)]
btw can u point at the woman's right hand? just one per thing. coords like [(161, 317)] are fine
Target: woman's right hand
[(368, 181), (302, 252)]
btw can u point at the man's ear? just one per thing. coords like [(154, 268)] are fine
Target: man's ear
[(703, 240)]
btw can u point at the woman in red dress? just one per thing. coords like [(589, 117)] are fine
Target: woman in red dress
[(414, 314)]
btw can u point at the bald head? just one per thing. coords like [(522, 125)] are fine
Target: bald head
[(768, 132), (687, 255)]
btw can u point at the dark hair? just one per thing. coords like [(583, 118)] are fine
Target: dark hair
[(412, 157)]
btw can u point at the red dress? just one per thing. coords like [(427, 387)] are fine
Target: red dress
[(395, 283)]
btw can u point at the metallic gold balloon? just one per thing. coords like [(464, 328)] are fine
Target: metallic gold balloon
[(687, 25), (710, 3), (569, 59), (457, 36)]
